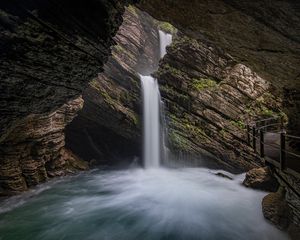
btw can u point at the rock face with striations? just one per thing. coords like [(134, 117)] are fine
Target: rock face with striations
[(35, 149), (261, 178), (108, 128), (263, 35), (209, 100), (50, 50)]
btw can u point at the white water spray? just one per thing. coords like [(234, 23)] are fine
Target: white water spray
[(165, 39), (151, 109), (151, 105)]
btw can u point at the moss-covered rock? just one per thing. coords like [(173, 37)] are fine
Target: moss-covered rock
[(210, 99)]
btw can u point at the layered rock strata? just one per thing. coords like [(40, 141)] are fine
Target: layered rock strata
[(35, 150), (210, 98), (50, 50), (108, 129)]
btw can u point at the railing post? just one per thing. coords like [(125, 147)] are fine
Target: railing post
[(261, 143), (248, 134), (254, 137), (281, 123), (282, 150)]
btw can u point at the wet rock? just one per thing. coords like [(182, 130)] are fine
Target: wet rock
[(35, 149), (252, 32), (209, 99), (276, 209), (223, 175), (109, 125), (262, 179), (49, 51), (263, 35), (292, 196), (294, 231)]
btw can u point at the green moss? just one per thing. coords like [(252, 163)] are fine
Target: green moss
[(267, 112), (223, 133), (184, 40), (107, 98), (203, 83), (239, 124), (182, 99), (167, 27), (283, 117), (135, 119), (166, 68), (132, 10), (120, 49), (187, 127), (177, 141)]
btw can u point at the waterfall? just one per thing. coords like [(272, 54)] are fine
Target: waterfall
[(151, 104), (152, 130), (165, 39)]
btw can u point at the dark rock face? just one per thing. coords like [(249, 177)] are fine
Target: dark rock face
[(294, 231), (291, 185), (108, 128), (209, 100), (262, 179), (282, 207), (50, 50), (263, 35), (276, 210)]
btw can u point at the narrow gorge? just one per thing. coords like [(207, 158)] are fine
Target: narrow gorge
[(149, 120)]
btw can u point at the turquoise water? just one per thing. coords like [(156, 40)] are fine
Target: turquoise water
[(138, 204)]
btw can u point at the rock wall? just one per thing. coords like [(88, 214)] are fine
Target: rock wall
[(209, 100), (108, 129), (49, 51), (263, 35), (35, 150)]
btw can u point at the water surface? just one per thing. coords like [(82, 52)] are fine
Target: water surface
[(138, 204)]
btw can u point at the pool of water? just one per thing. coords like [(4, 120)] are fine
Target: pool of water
[(138, 204)]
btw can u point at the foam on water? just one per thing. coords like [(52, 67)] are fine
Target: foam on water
[(142, 204)]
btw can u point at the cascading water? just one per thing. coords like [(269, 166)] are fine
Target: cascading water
[(151, 108), (165, 39), (151, 97)]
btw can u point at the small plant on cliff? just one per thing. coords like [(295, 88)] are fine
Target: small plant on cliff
[(122, 50), (238, 124), (203, 83), (167, 27), (133, 10), (267, 112)]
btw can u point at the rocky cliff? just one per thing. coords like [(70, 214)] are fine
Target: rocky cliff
[(35, 149), (263, 35), (50, 50), (109, 128), (210, 98)]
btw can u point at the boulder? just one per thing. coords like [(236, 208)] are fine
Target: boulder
[(276, 209), (262, 179)]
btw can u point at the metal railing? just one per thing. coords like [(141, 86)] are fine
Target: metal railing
[(283, 156)]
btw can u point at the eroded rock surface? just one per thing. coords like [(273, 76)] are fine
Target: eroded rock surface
[(276, 210), (209, 100), (108, 128), (50, 50), (263, 35), (35, 149), (261, 178)]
